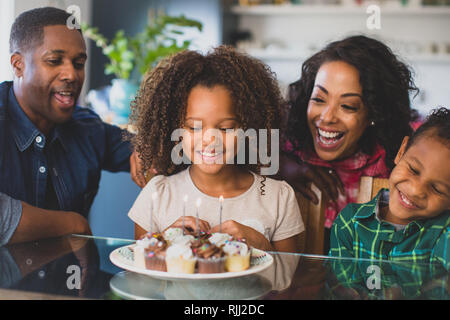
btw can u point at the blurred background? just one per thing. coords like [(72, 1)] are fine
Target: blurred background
[(282, 33)]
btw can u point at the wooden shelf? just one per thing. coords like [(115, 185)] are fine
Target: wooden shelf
[(290, 9)]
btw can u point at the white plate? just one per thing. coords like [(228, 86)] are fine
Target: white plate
[(123, 258)]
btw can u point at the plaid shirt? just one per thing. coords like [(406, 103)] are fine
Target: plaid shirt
[(358, 233), (351, 279)]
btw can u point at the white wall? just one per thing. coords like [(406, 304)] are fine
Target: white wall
[(294, 37), (6, 19)]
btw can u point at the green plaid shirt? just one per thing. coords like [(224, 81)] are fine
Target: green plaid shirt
[(358, 233)]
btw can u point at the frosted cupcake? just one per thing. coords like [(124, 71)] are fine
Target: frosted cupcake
[(171, 234), (219, 239), (155, 253), (180, 259), (139, 249), (211, 258), (186, 239), (237, 255)]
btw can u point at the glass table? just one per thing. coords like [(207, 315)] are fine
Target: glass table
[(79, 267)]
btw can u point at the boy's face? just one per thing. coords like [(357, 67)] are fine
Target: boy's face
[(420, 182)]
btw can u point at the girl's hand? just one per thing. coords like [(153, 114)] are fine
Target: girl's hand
[(190, 224), (240, 231)]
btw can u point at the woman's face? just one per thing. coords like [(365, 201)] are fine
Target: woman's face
[(336, 115)]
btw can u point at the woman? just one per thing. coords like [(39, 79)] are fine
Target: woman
[(348, 115)]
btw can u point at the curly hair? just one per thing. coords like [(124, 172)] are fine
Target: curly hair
[(386, 84), (161, 103), (437, 125)]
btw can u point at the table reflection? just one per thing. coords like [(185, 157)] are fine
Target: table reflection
[(76, 266), (67, 266)]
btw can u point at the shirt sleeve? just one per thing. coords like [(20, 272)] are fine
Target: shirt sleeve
[(342, 233), (119, 149), (10, 214), (289, 222)]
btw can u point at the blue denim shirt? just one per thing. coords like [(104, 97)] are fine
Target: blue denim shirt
[(72, 158)]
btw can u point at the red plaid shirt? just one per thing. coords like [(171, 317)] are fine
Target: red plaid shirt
[(349, 171)]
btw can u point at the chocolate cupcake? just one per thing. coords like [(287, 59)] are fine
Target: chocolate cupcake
[(210, 258), (155, 253)]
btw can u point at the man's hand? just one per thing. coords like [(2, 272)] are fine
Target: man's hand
[(301, 175)]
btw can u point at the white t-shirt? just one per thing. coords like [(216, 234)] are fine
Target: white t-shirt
[(275, 214)]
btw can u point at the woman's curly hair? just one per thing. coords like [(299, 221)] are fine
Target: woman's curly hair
[(160, 106), (386, 84)]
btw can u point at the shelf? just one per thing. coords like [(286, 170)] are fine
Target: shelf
[(290, 9), (289, 55)]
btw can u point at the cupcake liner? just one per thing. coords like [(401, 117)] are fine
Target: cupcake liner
[(237, 263), (155, 262), (180, 265), (211, 265)]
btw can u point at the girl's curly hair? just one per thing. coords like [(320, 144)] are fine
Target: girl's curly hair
[(386, 83), (160, 105)]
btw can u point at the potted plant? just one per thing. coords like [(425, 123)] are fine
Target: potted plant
[(160, 38)]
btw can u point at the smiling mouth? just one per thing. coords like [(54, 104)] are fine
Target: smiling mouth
[(406, 202), (209, 157), (329, 138), (65, 98)]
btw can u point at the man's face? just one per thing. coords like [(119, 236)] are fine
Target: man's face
[(52, 76)]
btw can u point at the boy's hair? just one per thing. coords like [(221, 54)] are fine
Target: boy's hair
[(437, 124), (160, 106), (27, 31), (386, 84)]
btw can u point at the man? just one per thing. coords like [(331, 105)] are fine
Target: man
[(52, 152)]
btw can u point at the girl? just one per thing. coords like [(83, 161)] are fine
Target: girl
[(349, 113), (210, 97)]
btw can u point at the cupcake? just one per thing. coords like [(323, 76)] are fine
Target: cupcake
[(219, 239), (237, 255), (155, 253), (210, 258), (139, 249), (186, 239), (171, 234), (180, 259)]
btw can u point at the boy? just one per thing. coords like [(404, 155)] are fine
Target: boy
[(411, 220)]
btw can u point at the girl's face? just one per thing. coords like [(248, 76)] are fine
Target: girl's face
[(336, 115), (209, 140)]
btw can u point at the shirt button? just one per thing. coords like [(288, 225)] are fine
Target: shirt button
[(42, 169), (38, 139)]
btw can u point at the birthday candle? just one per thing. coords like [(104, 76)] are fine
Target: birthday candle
[(197, 204), (185, 199), (220, 213)]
